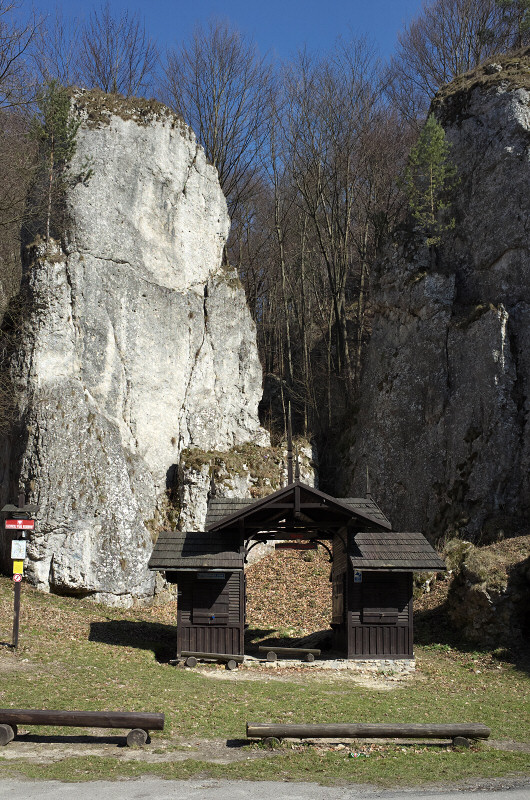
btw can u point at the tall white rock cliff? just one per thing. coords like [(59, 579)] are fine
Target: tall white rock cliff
[(442, 422), (135, 344)]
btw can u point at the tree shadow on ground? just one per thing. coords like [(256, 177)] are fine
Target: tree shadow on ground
[(270, 637), (433, 628), (160, 639)]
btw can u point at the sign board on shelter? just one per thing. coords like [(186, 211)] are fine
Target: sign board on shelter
[(18, 549), (20, 524)]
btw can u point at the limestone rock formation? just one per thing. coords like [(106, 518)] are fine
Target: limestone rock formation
[(442, 419), (135, 344), (244, 471), (489, 594)]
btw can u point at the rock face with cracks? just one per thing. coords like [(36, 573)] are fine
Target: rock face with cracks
[(135, 343), (442, 420)]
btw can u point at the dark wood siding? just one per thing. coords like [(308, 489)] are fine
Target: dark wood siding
[(209, 639), (380, 616), (339, 595), (210, 612)]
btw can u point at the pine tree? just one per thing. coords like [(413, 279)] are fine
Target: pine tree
[(56, 132), (429, 178)]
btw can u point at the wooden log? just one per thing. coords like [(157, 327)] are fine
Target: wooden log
[(271, 656), (309, 657), (83, 719), (289, 651), (7, 735), (213, 656), (231, 664), (191, 661), (272, 742), (461, 741), (137, 737), (368, 731)]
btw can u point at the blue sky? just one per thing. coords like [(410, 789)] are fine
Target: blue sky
[(280, 27)]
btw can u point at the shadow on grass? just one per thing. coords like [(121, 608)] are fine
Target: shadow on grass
[(160, 639), (36, 738), (434, 629), (270, 637)]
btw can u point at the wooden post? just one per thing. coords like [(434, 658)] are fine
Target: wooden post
[(16, 614), (7, 734)]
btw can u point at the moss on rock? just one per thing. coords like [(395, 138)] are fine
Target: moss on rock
[(98, 107)]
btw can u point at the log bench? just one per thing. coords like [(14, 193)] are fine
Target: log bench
[(140, 723), (304, 653), (230, 659), (460, 734)]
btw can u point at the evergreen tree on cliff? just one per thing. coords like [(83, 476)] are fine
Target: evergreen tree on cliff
[(56, 133), (429, 177)]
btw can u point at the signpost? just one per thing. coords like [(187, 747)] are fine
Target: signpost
[(18, 519)]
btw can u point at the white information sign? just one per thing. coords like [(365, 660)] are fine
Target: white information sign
[(18, 550)]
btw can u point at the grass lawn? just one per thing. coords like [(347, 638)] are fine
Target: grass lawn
[(77, 655)]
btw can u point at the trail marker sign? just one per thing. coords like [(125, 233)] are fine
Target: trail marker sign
[(20, 524), (17, 577), (18, 549)]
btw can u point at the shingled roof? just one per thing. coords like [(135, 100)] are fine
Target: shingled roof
[(394, 551), (196, 550), (369, 507), (318, 507), (220, 507)]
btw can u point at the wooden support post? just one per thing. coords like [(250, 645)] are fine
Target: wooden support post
[(7, 734), (16, 614), (137, 737)]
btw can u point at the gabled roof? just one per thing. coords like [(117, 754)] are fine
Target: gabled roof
[(220, 507), (196, 550), (394, 551), (311, 502)]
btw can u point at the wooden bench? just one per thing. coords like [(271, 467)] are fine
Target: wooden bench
[(230, 659), (305, 653), (460, 734), (140, 723)]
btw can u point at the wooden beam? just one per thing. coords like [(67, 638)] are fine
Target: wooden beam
[(369, 731), (289, 651), (212, 656), (82, 719)]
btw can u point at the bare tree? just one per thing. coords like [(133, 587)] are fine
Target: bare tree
[(331, 107), (221, 86), (16, 38), (57, 51), (116, 52), (447, 37)]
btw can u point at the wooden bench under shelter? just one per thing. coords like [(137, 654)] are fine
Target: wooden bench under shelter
[(372, 569)]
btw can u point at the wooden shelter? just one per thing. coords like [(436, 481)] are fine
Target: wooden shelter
[(372, 568)]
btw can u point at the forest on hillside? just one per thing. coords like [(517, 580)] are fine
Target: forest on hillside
[(321, 159)]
